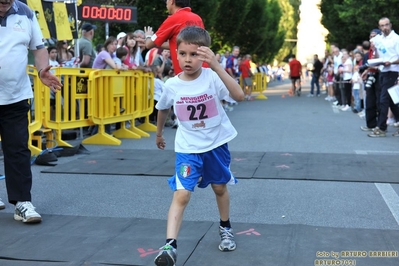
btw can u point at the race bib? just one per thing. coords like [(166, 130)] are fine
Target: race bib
[(198, 112)]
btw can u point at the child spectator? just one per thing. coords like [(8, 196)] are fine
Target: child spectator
[(202, 155), (357, 88), (330, 81), (121, 54), (158, 88), (131, 46), (52, 55)]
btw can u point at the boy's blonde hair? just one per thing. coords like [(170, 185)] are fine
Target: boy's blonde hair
[(194, 35)]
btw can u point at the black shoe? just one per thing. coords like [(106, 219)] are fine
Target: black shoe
[(355, 111)]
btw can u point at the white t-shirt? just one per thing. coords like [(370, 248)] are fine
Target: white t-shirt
[(348, 66), (357, 81), (337, 62), (53, 63), (203, 123), (158, 88), (19, 31), (388, 49)]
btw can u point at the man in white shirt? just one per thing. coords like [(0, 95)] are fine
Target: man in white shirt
[(387, 46), (19, 30)]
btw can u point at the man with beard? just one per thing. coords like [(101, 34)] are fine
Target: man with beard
[(387, 48)]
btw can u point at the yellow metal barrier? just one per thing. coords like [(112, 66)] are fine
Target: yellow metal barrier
[(71, 107), (145, 101), (137, 102), (259, 81), (35, 116), (112, 100), (91, 97)]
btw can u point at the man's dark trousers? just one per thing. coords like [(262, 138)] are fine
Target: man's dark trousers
[(387, 80), (372, 107), (14, 139)]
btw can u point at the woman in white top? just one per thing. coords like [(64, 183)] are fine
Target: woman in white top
[(346, 92)]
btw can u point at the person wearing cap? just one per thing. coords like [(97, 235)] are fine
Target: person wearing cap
[(165, 37), (119, 38), (85, 43), (387, 48), (20, 30)]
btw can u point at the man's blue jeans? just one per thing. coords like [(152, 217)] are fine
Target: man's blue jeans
[(315, 80), (356, 97)]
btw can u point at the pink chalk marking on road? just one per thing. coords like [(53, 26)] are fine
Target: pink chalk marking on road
[(282, 166), (149, 251), (249, 232), (91, 162), (239, 159), (286, 154)]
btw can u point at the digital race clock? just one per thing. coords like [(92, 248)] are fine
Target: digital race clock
[(121, 14)]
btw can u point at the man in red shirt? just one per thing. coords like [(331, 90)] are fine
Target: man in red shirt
[(246, 74), (165, 37), (295, 74)]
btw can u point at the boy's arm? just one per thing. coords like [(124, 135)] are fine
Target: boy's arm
[(206, 55), (111, 63), (161, 119)]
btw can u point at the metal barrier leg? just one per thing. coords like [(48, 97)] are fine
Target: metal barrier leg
[(102, 138), (261, 96), (138, 131), (147, 126), (60, 141), (34, 150), (124, 133)]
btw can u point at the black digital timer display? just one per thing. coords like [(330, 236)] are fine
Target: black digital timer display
[(121, 14)]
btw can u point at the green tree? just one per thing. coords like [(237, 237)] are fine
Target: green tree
[(288, 25), (208, 10), (275, 36), (350, 21), (231, 15), (259, 29)]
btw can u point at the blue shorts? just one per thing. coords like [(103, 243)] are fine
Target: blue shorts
[(202, 169)]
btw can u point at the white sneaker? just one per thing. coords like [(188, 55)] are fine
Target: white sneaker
[(328, 98), (2, 205), (345, 108), (390, 121), (25, 212), (396, 124), (335, 103)]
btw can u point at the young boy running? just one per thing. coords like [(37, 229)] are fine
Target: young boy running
[(202, 155)]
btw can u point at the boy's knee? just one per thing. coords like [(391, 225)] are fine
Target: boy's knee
[(182, 196), (219, 189)]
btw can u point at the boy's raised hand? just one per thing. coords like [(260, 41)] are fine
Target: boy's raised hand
[(208, 56)]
